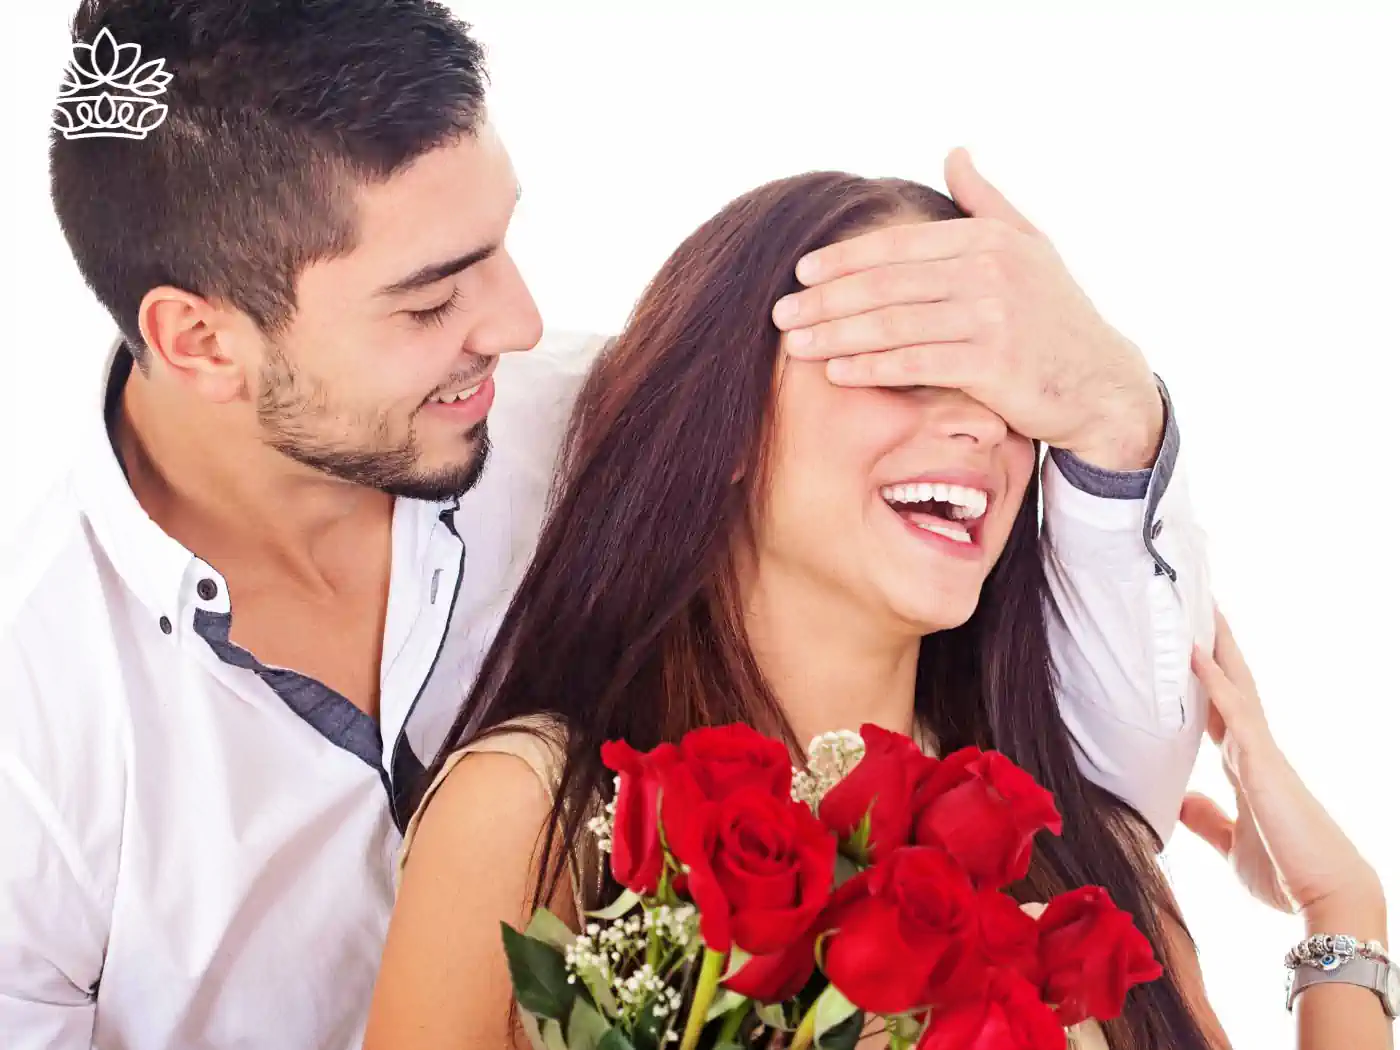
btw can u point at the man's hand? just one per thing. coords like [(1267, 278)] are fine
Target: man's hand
[(983, 304)]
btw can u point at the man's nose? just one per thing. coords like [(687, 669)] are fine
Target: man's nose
[(510, 320)]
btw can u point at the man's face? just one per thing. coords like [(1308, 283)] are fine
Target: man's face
[(383, 377)]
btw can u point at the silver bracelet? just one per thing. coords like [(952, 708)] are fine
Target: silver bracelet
[(1339, 959), (1327, 951)]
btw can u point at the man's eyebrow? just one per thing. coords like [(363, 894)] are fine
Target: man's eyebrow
[(435, 272)]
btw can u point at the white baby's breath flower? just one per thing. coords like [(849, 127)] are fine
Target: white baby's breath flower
[(806, 790), (632, 957), (830, 758), (601, 826)]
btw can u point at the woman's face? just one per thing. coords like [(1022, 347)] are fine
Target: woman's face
[(899, 501)]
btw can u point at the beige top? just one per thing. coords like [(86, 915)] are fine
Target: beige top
[(539, 743)]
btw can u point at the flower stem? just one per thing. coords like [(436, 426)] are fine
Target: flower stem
[(653, 949), (710, 972), (806, 1030), (732, 1021)]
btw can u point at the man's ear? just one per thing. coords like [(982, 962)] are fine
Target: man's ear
[(202, 344)]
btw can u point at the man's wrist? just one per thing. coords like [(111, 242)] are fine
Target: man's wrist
[(1131, 437)]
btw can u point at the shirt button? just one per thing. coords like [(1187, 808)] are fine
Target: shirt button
[(165, 627), (208, 590)]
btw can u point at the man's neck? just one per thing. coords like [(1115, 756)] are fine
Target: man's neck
[(238, 504), (830, 665)]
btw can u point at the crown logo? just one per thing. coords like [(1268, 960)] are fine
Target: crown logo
[(107, 92)]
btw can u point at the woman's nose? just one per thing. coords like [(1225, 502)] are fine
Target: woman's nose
[(953, 414)]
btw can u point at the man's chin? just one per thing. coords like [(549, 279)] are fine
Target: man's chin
[(397, 472), (445, 483)]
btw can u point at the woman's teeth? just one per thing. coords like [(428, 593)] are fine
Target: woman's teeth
[(460, 395), (952, 532), (964, 504)]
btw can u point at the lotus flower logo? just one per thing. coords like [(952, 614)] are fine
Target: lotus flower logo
[(108, 93)]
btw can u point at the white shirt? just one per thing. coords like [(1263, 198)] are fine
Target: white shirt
[(190, 859)]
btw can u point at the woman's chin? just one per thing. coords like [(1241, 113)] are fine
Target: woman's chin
[(935, 609)]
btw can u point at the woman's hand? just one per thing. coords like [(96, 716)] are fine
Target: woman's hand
[(1283, 845)]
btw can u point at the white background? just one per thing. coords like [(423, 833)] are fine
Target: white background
[(1225, 185)]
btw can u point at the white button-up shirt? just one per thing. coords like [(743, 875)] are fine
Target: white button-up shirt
[(197, 850)]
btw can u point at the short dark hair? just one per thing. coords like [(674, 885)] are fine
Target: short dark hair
[(277, 109)]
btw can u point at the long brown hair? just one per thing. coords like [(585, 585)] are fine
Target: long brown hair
[(627, 624)]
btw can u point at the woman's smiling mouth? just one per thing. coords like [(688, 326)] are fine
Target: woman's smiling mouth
[(945, 512)]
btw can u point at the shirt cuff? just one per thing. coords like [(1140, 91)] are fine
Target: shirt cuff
[(1148, 485)]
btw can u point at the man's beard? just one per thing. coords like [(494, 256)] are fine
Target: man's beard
[(294, 413)]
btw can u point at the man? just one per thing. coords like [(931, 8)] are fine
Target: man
[(242, 626)]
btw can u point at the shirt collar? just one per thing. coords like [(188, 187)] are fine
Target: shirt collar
[(156, 567), (161, 571)]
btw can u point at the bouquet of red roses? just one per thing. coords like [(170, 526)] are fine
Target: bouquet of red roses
[(764, 905)]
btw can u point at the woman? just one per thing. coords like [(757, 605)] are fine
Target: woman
[(736, 539)]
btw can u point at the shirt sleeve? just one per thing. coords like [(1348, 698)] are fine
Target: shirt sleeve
[(1129, 596), (50, 956), (52, 918)]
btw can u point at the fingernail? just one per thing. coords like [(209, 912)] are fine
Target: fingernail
[(799, 339), (807, 269), (785, 310)]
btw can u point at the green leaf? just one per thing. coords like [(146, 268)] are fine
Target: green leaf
[(845, 1035), (615, 1040), (908, 1028), (774, 1016), (553, 1036), (737, 958), (601, 992), (857, 847), (538, 973), (650, 1029), (846, 869), (586, 1027), (618, 908), (724, 1002), (833, 1009), (531, 1024), (547, 927)]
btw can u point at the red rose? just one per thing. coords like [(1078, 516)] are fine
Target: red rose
[(896, 935), (985, 810), (1091, 954), (724, 759), (1005, 937), (637, 851), (778, 977), (882, 785), (760, 872), (1009, 1016)]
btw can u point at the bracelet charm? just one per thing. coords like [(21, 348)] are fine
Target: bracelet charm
[(1327, 951)]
